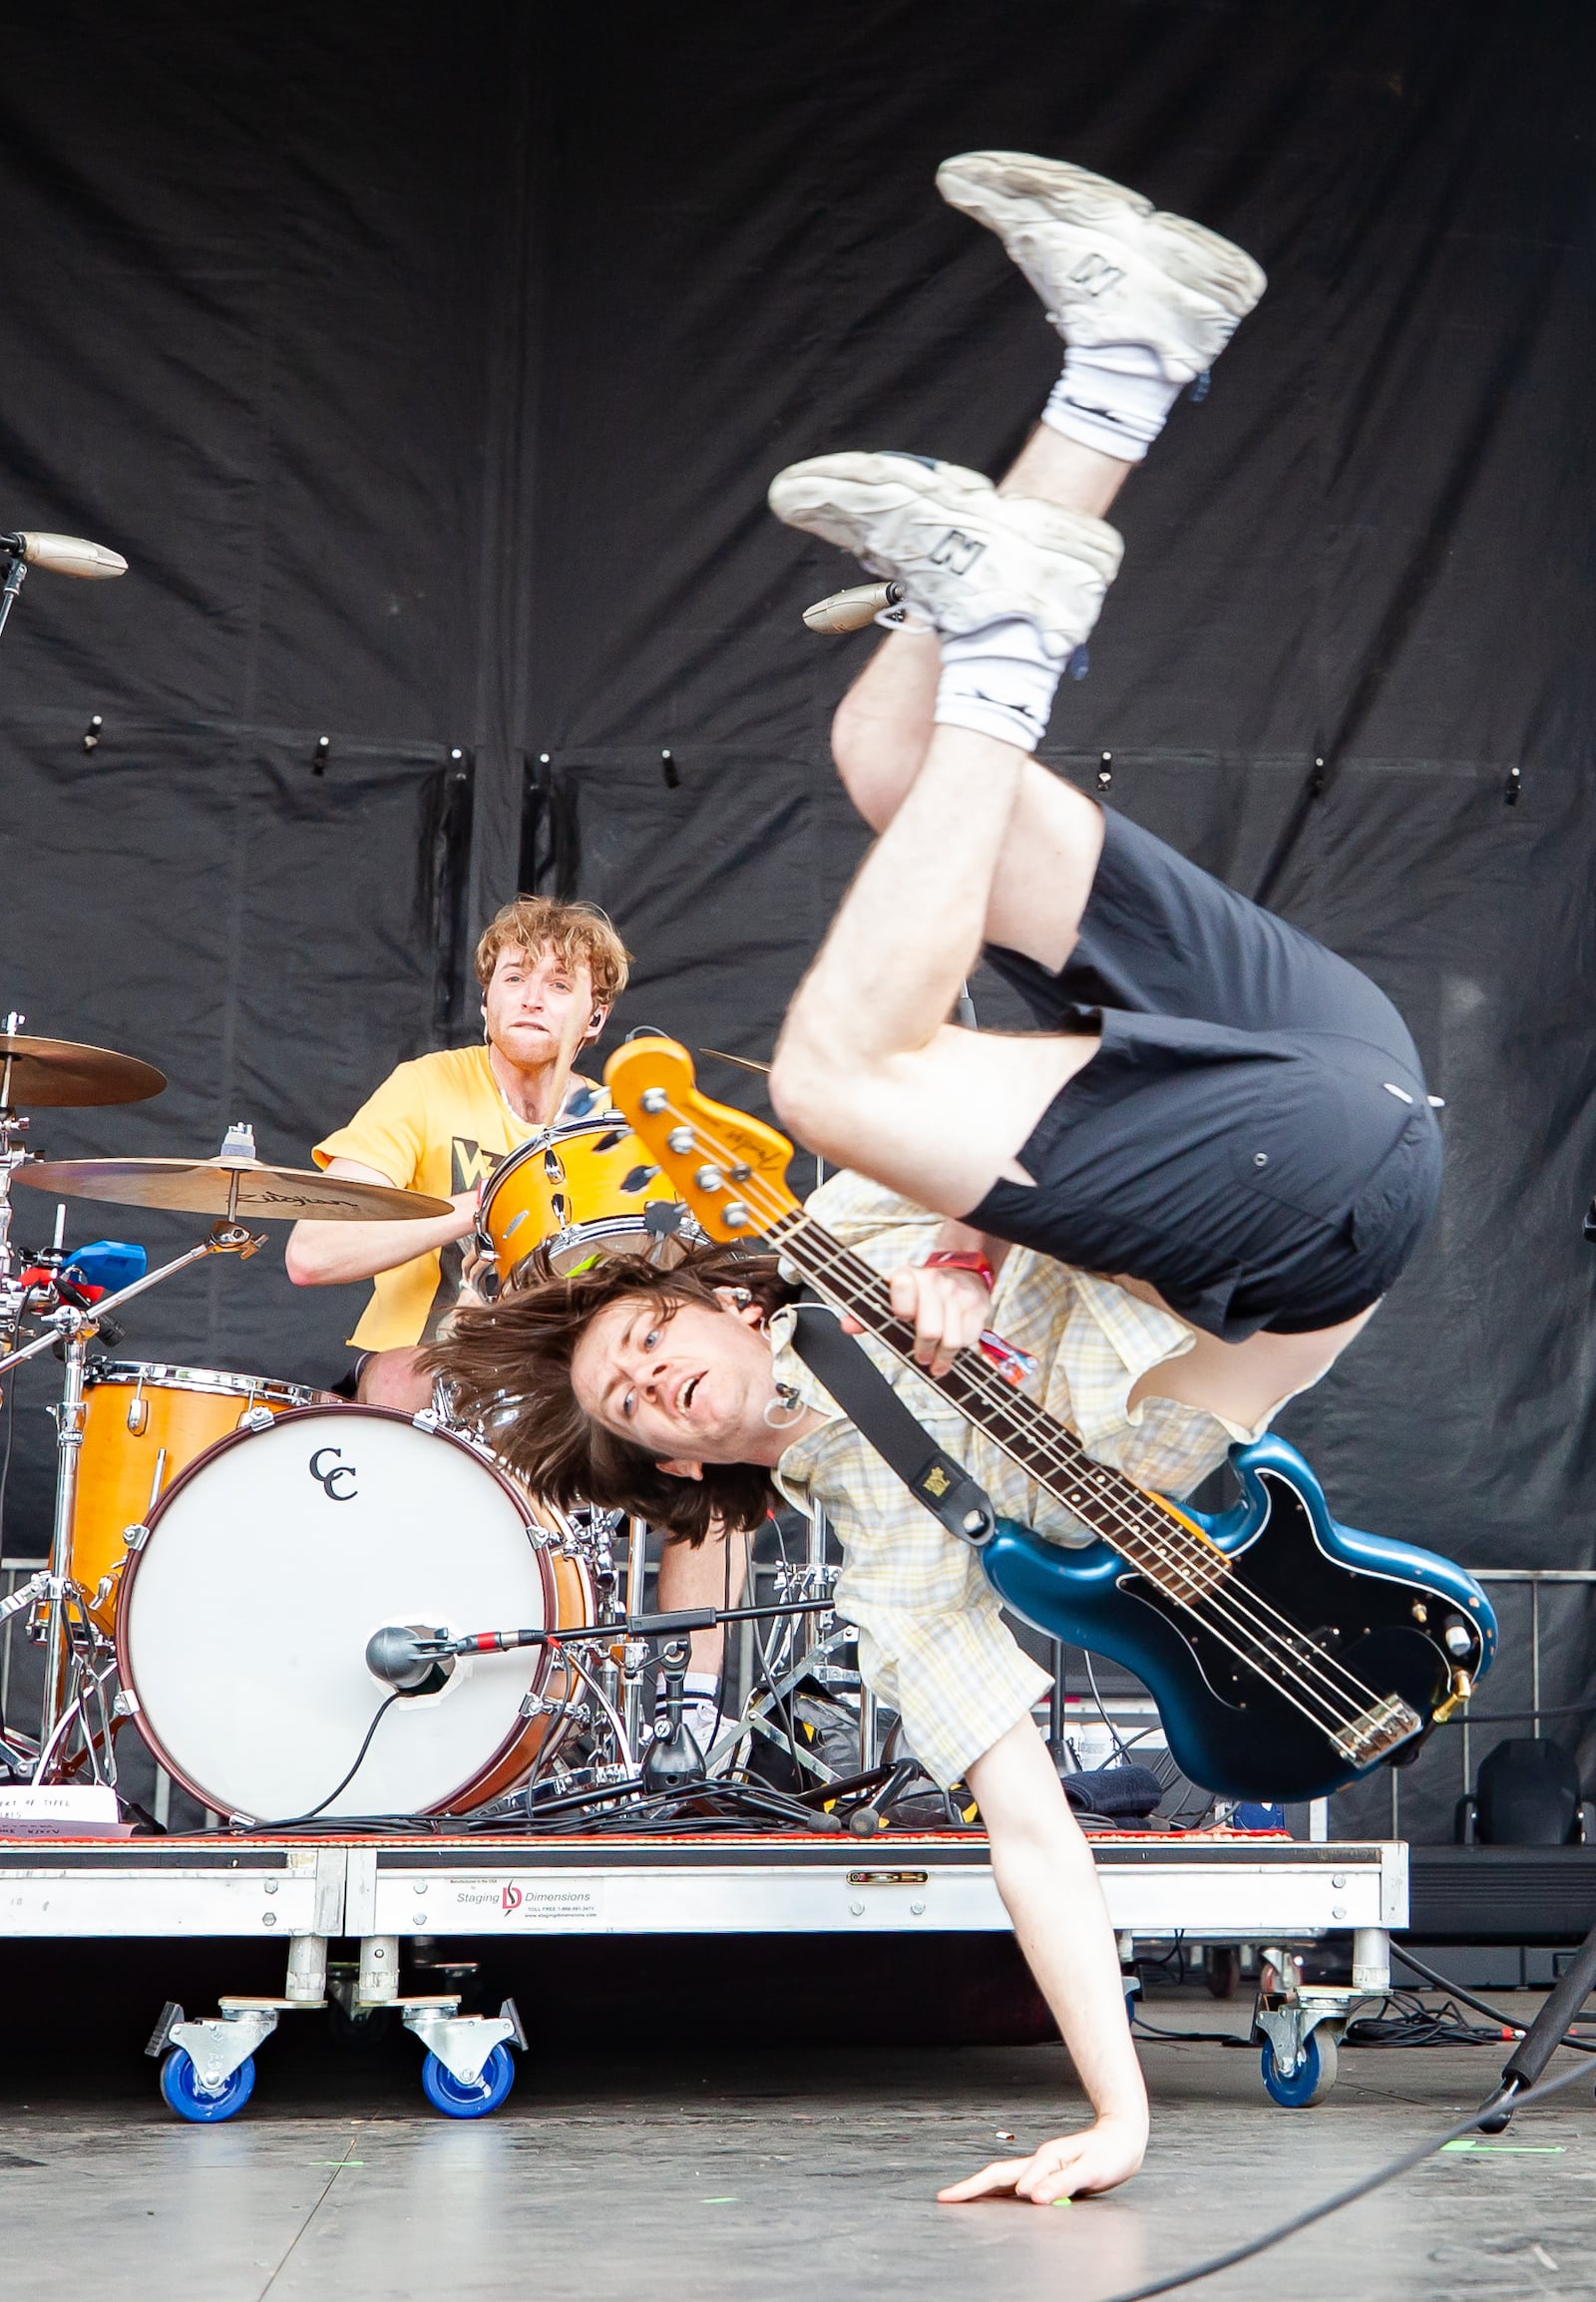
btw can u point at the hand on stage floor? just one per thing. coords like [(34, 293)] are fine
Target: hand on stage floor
[(948, 1309), (1095, 2157)]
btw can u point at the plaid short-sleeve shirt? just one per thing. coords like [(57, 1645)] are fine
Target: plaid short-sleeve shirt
[(932, 1642)]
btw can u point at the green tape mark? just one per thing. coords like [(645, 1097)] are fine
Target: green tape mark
[(1510, 2150), (1061, 2201)]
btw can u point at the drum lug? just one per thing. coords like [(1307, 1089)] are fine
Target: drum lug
[(429, 1419), (127, 1705), (256, 1417), (135, 1536)]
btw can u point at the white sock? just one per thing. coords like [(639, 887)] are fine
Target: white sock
[(998, 680), (1111, 397)]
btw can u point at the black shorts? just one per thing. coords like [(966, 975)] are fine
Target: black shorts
[(1253, 1136)]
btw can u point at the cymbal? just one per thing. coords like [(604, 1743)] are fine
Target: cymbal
[(59, 1074), (744, 1062), (205, 1187)]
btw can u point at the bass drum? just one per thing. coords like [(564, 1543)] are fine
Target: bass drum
[(244, 1615)]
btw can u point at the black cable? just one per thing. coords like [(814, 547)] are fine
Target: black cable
[(1440, 1981), (293, 1822), (1355, 2191), (1413, 2023)]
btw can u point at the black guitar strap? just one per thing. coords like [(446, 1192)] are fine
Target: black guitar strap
[(892, 1429)]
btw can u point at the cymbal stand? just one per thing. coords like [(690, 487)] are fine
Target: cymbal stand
[(74, 1329), (13, 1154)]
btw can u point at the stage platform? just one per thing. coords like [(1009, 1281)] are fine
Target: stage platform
[(1238, 1888), (413, 1910)]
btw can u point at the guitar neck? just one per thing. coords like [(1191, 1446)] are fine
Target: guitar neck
[(1112, 1506)]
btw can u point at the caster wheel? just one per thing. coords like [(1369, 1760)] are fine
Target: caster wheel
[(180, 2083), (1310, 2082), (358, 2033), (444, 2092)]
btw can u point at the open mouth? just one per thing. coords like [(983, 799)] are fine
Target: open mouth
[(684, 1396)]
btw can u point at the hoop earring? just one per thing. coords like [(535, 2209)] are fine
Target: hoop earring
[(784, 1410), (741, 1298)]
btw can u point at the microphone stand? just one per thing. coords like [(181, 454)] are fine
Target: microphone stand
[(16, 573)]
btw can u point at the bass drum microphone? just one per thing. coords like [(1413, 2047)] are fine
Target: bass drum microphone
[(65, 554)]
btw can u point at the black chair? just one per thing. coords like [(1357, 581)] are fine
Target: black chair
[(1527, 1793)]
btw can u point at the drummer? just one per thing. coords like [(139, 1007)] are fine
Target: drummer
[(550, 973)]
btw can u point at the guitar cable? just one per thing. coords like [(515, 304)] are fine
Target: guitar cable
[(1504, 2099), (1252, 2247)]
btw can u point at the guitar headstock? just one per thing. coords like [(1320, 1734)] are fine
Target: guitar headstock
[(730, 1170)]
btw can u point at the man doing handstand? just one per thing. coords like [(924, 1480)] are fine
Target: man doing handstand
[(1182, 1198)]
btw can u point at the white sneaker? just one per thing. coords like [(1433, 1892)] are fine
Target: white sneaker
[(964, 554), (1109, 266)]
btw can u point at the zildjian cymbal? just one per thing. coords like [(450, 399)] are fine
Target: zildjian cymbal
[(242, 1188), (59, 1074)]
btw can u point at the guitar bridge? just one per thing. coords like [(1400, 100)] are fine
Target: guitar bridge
[(1378, 1731)]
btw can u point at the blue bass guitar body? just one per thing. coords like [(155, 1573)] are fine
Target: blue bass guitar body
[(1262, 1685)]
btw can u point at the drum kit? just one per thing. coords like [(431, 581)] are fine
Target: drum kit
[(224, 1547)]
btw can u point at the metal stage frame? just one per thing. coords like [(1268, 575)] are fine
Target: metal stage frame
[(377, 1892)]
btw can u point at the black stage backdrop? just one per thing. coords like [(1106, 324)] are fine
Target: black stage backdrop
[(430, 369)]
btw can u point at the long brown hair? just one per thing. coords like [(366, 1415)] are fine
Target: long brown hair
[(509, 1363)]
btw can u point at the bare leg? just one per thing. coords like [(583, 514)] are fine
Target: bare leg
[(711, 1576), (884, 722), (865, 1071), (394, 1379)]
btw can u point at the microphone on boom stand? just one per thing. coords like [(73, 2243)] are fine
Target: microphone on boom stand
[(59, 555)]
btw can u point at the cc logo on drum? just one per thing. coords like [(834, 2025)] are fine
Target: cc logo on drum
[(328, 1477)]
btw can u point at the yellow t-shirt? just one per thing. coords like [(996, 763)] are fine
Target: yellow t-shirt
[(439, 1124)]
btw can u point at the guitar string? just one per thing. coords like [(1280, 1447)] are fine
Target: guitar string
[(1232, 1607), (1269, 1649)]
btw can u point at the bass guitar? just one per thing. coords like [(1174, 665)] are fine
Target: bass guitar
[(1288, 1655)]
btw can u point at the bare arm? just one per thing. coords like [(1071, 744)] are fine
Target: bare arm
[(1045, 1875), (334, 1254)]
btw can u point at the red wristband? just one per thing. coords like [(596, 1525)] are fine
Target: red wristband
[(976, 1262)]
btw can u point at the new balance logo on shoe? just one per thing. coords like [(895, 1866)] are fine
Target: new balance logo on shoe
[(956, 551), (1095, 274)]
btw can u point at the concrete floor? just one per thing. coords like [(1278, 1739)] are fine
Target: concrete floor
[(797, 2176)]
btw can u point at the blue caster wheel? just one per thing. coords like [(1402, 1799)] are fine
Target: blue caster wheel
[(1310, 2081), (179, 2083), (444, 2092)]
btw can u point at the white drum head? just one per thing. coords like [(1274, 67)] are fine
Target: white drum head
[(245, 1618)]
